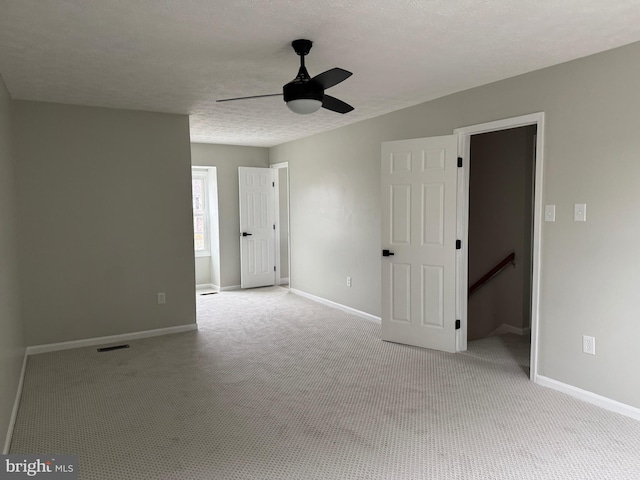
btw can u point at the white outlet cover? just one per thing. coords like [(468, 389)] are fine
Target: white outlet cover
[(580, 212), (549, 213), (588, 345)]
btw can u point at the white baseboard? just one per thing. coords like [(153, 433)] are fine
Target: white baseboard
[(88, 342), (16, 404), (206, 286), (284, 281), (505, 328), (590, 397), (339, 306), (228, 289)]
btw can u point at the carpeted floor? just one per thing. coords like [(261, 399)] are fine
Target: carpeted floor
[(274, 386)]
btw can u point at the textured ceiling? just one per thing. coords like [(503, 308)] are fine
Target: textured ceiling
[(180, 56)]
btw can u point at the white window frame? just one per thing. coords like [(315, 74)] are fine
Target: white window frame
[(203, 174)]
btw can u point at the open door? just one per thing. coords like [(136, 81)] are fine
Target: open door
[(257, 227), (419, 194)]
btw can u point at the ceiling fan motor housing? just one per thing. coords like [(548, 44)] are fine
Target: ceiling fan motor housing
[(299, 90)]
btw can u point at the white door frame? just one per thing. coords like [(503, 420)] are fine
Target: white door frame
[(464, 150), (278, 166)]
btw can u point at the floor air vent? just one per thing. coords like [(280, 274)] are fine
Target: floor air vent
[(209, 293), (115, 347)]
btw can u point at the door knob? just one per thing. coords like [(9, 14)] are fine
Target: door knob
[(387, 253), (245, 234)]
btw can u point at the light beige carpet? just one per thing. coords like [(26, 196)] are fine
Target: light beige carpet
[(274, 386)]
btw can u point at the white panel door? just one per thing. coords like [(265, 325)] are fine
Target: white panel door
[(419, 193), (257, 233)]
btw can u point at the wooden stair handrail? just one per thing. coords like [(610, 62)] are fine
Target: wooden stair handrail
[(509, 259)]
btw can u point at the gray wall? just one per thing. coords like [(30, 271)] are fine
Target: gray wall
[(500, 216), (105, 208), (590, 271), (227, 159), (204, 267), (12, 345)]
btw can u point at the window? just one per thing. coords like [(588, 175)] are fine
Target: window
[(199, 188)]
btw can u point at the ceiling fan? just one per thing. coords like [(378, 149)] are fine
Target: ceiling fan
[(305, 94)]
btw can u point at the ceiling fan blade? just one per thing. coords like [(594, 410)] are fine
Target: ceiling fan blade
[(335, 105), (331, 77), (245, 98)]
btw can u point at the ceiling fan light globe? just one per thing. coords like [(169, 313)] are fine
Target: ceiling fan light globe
[(304, 106)]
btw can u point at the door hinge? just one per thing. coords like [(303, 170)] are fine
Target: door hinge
[(274, 227), (273, 184), (458, 244), (459, 162), (457, 324), (274, 268)]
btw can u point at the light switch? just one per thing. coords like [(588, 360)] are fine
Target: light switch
[(549, 213), (580, 212)]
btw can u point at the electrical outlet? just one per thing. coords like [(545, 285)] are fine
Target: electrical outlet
[(588, 344), (348, 281), (162, 298)]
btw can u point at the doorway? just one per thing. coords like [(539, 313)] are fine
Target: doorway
[(264, 226), (521, 317), (501, 172), (283, 250)]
